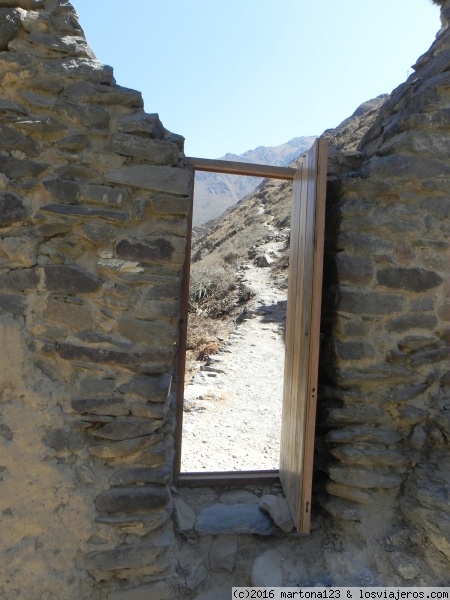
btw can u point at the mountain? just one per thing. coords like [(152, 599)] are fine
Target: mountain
[(215, 192)]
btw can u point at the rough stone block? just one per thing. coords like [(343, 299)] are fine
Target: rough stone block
[(368, 455), (15, 168), (354, 350), (235, 518), (375, 303), (266, 570), (12, 208), (83, 68), (69, 280), (9, 26), (140, 475), (67, 313), (12, 140), (141, 124), (412, 321), (156, 361), (413, 280), (222, 554), (20, 279), (153, 591), (100, 406), (171, 205), (153, 389), (64, 440), (92, 117), (123, 429), (278, 508), (110, 95), (353, 269), (170, 180), (13, 304), (133, 499), (123, 557), (157, 152), (153, 333), (64, 191), (104, 194), (114, 449), (152, 249), (365, 478), (86, 211)]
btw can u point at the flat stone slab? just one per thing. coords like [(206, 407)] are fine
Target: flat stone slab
[(234, 518)]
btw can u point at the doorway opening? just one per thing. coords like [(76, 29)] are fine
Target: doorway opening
[(301, 339)]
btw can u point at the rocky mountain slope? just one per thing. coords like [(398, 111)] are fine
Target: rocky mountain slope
[(215, 192)]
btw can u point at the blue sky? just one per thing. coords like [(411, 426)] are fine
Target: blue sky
[(233, 75)]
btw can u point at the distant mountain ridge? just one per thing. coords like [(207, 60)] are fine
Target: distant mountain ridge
[(215, 192)]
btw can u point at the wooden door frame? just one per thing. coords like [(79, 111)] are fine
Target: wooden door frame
[(239, 477)]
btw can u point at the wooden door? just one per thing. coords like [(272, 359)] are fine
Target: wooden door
[(303, 333)]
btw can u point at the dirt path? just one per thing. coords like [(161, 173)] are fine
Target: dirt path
[(232, 414)]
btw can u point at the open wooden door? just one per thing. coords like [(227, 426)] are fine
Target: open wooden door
[(303, 333)]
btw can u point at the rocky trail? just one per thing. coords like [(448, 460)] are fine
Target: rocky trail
[(232, 410)]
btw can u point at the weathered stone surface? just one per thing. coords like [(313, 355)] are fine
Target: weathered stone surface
[(12, 140), (160, 333), (153, 389), (69, 280), (353, 350), (184, 516), (62, 190), (414, 280), (141, 124), (405, 566), (133, 499), (13, 304), (41, 125), (266, 570), (9, 26), (353, 269), (100, 406), (123, 429), (238, 497), (175, 205), (157, 152), (278, 508), (14, 168), (20, 279), (89, 93), (85, 211), (169, 180), (364, 433), (157, 455), (410, 322), (139, 475), (27, 4), (72, 315), (127, 447), (374, 303), (153, 591), (123, 557), (222, 554), (362, 454), (235, 518), (87, 69), (93, 117), (64, 440), (152, 249), (156, 361), (12, 208), (364, 478), (156, 309), (104, 194), (151, 410)]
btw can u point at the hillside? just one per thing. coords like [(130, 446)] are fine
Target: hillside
[(239, 236), (215, 192)]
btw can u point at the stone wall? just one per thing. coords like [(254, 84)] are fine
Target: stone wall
[(385, 418), (94, 198), (93, 206)]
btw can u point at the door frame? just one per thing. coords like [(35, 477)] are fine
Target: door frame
[(317, 172)]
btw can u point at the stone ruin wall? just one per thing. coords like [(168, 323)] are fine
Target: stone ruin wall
[(93, 219), (384, 415)]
